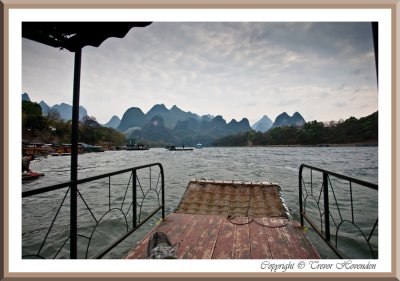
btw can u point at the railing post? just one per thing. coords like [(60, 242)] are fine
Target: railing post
[(162, 193), (301, 196), (326, 208), (134, 199)]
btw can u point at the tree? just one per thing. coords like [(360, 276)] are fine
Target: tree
[(350, 130), (312, 133), (32, 119)]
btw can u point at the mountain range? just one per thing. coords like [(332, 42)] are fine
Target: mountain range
[(174, 126), (65, 110), (283, 119), (134, 116)]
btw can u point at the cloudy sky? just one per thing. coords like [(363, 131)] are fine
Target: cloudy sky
[(325, 71)]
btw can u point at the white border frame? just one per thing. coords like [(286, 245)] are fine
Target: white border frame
[(16, 16)]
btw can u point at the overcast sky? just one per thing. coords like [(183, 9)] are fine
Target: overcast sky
[(325, 71)]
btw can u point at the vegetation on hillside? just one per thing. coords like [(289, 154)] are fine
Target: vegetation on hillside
[(352, 130), (52, 129)]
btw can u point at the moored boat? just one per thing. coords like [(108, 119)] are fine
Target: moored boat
[(137, 147), (31, 176), (174, 148)]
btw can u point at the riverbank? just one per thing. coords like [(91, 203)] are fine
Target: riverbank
[(323, 145), (358, 144)]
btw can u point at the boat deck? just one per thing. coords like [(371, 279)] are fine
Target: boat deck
[(216, 237), (232, 220)]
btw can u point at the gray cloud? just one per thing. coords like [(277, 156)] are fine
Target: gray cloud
[(230, 68), (339, 104)]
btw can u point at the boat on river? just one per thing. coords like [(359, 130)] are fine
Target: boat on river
[(230, 220), (219, 219), (174, 148), (31, 176), (137, 147)]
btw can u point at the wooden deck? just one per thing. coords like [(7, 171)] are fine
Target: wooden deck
[(225, 220), (216, 237)]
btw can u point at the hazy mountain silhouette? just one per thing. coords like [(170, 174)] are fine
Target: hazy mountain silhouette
[(133, 117), (284, 119), (113, 123), (262, 125), (64, 109)]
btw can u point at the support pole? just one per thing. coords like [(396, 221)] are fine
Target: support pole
[(74, 156), (134, 199), (326, 208), (375, 37), (162, 192), (301, 196)]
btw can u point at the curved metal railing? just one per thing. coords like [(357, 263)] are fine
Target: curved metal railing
[(130, 207), (334, 213)]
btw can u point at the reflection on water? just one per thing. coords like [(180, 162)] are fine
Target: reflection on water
[(274, 164)]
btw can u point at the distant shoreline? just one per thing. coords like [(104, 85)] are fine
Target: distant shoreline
[(362, 144), (323, 145)]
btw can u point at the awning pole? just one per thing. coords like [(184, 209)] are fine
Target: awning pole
[(376, 51), (74, 156)]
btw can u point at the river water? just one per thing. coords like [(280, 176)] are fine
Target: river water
[(273, 164)]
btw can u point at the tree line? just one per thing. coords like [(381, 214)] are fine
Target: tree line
[(349, 131), (53, 129)]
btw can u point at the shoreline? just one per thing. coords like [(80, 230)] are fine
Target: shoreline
[(363, 144), (325, 145)]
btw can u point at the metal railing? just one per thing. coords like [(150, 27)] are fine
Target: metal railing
[(129, 204), (335, 212)]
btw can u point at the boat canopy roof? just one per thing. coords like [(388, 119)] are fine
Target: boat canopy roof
[(76, 35)]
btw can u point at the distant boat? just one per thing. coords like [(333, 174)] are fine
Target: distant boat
[(137, 147), (199, 145), (91, 148), (323, 145), (97, 148), (173, 148)]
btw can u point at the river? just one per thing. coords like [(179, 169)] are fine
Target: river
[(273, 164)]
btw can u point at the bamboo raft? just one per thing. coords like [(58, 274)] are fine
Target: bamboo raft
[(232, 220)]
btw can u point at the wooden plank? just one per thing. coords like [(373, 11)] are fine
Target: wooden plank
[(241, 239), (259, 244), (276, 239), (191, 236), (208, 237), (224, 245), (300, 245)]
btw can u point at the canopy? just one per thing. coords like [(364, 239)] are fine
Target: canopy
[(76, 35)]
